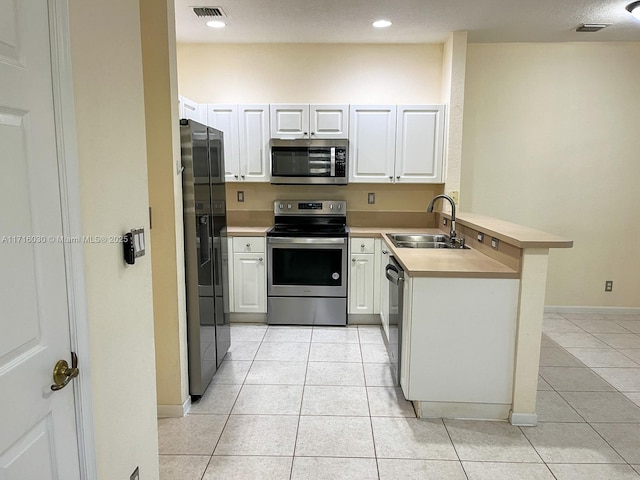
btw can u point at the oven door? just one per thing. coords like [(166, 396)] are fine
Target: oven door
[(307, 267)]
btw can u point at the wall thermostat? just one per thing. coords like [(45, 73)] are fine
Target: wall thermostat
[(133, 244)]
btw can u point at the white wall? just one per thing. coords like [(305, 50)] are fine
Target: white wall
[(310, 73), (108, 92), (551, 141)]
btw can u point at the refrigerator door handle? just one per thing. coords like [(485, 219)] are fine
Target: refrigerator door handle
[(203, 233)]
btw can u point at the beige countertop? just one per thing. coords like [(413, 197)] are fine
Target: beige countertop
[(516, 235), (437, 262), (469, 263), (247, 231)]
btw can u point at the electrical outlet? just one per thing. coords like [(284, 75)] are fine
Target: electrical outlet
[(480, 237), (371, 198), (444, 222), (240, 196), (608, 286), (454, 196), (494, 243), (136, 474)]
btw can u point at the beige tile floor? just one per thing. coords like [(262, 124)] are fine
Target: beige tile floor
[(319, 403)]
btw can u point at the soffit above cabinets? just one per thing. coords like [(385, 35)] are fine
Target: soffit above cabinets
[(414, 21)]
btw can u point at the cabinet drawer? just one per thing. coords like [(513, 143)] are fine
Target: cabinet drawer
[(248, 244), (362, 245)]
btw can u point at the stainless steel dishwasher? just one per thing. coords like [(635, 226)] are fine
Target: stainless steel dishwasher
[(395, 275)]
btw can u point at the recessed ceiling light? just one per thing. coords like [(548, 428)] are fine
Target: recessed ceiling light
[(381, 23), (634, 9), (216, 24)]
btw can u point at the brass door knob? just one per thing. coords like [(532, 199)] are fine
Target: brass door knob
[(63, 374)]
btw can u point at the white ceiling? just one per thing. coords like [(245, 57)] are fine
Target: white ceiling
[(414, 21)]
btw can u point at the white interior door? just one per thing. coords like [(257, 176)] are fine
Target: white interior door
[(38, 438)]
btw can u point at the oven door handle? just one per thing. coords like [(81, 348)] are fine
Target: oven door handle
[(317, 241)]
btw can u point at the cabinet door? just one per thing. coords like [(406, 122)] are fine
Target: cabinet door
[(384, 289), (254, 142), (225, 119), (361, 283), (372, 143), (419, 143), (289, 121), (329, 121), (192, 110), (250, 283)]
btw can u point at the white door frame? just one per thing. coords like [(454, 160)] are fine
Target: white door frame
[(69, 179)]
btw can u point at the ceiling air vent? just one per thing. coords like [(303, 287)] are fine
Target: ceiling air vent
[(591, 27), (209, 11)]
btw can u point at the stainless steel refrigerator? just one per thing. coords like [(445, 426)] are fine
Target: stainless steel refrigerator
[(206, 255)]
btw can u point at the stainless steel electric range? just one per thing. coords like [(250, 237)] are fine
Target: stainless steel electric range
[(307, 253)]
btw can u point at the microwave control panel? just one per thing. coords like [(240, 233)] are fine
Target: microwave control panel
[(341, 162)]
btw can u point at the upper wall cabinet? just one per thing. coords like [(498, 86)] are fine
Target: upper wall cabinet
[(372, 143), (225, 118), (396, 144), (419, 143), (246, 140), (291, 121), (191, 110)]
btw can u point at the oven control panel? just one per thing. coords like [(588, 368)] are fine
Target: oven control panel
[(310, 207)]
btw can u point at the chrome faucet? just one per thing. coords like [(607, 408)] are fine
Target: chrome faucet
[(452, 232)]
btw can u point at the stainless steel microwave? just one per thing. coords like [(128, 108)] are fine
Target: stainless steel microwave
[(298, 162)]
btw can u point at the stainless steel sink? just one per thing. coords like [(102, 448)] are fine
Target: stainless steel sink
[(423, 240)]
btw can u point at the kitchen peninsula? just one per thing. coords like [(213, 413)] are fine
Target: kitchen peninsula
[(472, 323), (472, 319)]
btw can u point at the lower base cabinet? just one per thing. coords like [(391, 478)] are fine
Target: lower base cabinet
[(458, 345), (248, 275)]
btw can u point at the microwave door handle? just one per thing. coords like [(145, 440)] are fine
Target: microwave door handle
[(333, 161)]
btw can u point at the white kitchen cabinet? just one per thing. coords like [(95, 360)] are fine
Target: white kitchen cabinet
[(458, 346), (246, 140), (249, 275), (292, 121), (254, 143), (419, 144), (396, 144), (361, 275), (191, 110), (372, 143), (225, 118)]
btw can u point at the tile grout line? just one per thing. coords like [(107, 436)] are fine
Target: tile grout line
[(366, 392), (464, 470), (304, 386)]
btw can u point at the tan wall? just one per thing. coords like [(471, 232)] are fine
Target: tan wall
[(310, 73), (165, 199), (108, 91), (396, 205), (551, 141)]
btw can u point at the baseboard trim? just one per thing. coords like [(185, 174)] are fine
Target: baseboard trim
[(462, 410), (578, 309), (248, 318), (363, 319), (174, 411), (523, 419)]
